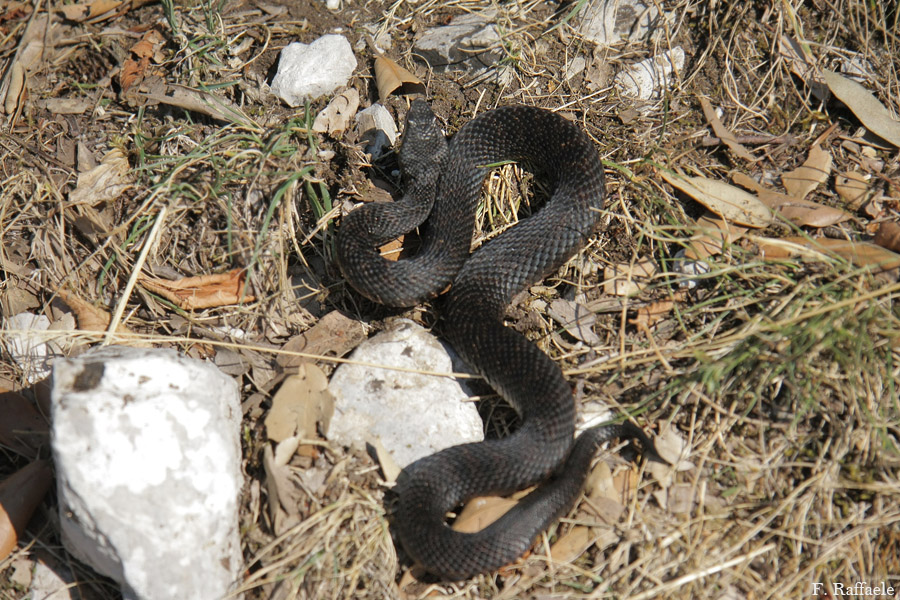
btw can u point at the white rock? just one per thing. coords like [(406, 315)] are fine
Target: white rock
[(412, 414), (606, 22), (147, 451), (646, 79), (470, 41), (307, 71), (27, 346), (377, 128)]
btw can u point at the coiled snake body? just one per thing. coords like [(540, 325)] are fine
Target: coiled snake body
[(443, 185)]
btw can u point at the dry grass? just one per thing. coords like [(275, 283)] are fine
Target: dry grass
[(781, 377)]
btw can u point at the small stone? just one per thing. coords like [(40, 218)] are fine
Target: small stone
[(147, 451), (606, 22), (646, 79), (470, 41), (377, 129), (308, 71), (412, 414)]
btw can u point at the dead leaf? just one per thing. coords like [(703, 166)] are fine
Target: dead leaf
[(576, 319), (722, 132), (203, 291), (852, 187), (136, 64), (865, 106), (20, 494), (389, 77), (90, 318), (572, 544), (389, 466), (333, 335), (15, 93), (713, 235), (90, 12), (335, 118), (206, 103), (807, 177), (303, 406), (888, 236), (284, 503), (861, 254), (732, 203), (482, 511), (625, 279), (107, 181), (22, 428), (798, 211), (653, 312)]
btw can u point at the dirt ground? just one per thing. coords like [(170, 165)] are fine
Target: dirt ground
[(765, 359)]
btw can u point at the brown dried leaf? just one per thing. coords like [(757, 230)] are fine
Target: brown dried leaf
[(203, 291), (576, 319), (626, 279), (142, 53), (333, 335), (15, 92), (22, 428), (389, 466), (20, 494), (90, 318), (389, 77), (732, 203), (888, 236), (572, 544), (107, 181), (865, 106), (798, 211), (713, 234), (861, 254), (805, 178), (302, 407), (852, 187), (207, 103), (722, 132), (284, 503), (653, 312), (481, 512), (335, 118), (91, 12)]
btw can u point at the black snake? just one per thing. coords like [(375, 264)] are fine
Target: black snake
[(443, 185)]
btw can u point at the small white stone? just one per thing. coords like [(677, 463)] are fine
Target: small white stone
[(412, 414), (377, 128), (606, 22), (308, 71), (646, 79), (147, 450)]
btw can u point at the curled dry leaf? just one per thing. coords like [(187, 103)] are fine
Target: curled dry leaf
[(335, 118), (89, 317), (865, 106), (861, 254), (852, 187), (389, 467), (333, 335), (90, 12), (20, 494), (795, 210), (302, 407), (206, 103), (482, 511), (389, 77), (576, 319), (888, 236), (15, 92), (713, 235), (807, 177), (626, 279), (732, 203), (135, 66), (107, 181), (204, 291), (722, 132)]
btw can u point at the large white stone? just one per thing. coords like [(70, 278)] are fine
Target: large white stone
[(307, 71), (413, 414), (147, 451)]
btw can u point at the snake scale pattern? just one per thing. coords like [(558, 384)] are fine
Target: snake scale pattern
[(442, 191)]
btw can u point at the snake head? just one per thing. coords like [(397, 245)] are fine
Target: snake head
[(424, 145)]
